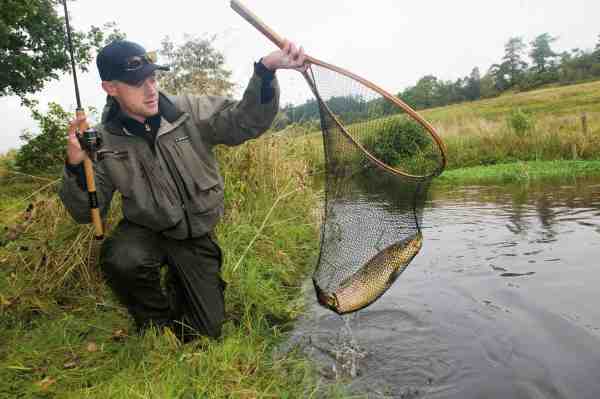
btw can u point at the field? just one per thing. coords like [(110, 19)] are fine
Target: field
[(63, 335)]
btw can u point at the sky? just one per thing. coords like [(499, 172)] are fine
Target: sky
[(390, 42)]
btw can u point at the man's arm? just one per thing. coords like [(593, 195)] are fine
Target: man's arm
[(230, 122)]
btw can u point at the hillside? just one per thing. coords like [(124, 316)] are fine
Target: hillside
[(563, 102)]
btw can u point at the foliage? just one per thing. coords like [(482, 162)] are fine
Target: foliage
[(44, 151), (520, 172), (512, 73), (513, 61), (62, 329), (33, 46), (196, 68), (65, 335), (520, 122), (396, 141), (473, 85), (541, 53)]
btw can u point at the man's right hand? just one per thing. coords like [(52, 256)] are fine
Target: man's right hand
[(75, 155)]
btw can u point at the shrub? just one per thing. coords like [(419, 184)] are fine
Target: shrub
[(45, 151), (395, 140), (520, 122)]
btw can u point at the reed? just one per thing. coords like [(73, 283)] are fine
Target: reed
[(54, 305)]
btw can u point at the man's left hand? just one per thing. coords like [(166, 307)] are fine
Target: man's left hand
[(289, 57)]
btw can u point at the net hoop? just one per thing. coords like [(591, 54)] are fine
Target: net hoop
[(249, 16), (396, 101)]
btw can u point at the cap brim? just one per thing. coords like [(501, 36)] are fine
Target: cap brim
[(135, 77)]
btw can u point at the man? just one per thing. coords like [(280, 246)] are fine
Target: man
[(157, 151)]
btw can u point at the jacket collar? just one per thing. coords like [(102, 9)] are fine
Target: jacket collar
[(111, 114)]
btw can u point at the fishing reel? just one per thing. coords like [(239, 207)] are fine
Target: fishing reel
[(90, 142)]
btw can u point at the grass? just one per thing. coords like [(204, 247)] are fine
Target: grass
[(63, 334), (521, 172), (479, 133)]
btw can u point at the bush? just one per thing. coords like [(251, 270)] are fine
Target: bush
[(45, 151), (520, 122), (395, 140)]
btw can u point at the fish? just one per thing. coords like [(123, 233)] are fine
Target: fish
[(372, 279)]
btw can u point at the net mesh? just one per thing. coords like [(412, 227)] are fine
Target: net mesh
[(379, 165)]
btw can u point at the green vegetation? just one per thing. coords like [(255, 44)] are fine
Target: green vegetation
[(33, 45), (63, 334), (511, 74), (560, 123), (521, 172), (44, 151), (400, 139)]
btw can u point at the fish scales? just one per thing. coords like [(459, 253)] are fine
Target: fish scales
[(373, 279)]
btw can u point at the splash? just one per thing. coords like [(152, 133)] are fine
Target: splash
[(346, 350)]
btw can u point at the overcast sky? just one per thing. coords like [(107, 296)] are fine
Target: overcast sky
[(392, 43)]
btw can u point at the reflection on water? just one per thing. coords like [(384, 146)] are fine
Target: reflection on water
[(502, 302)]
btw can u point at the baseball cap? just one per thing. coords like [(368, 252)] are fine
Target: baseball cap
[(127, 62)]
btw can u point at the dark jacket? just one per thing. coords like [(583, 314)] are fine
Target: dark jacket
[(177, 188)]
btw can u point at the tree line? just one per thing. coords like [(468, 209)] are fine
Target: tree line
[(520, 69)]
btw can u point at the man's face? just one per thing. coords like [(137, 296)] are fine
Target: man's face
[(138, 101)]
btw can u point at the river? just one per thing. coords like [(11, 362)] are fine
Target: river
[(503, 301)]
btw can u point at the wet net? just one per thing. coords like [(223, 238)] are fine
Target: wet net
[(379, 161), (380, 158)]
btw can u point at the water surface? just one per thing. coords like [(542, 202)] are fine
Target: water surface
[(503, 301)]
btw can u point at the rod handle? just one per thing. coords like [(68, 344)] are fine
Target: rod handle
[(91, 182)]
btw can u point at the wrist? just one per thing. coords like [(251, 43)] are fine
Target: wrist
[(266, 74), (73, 162), (268, 64)]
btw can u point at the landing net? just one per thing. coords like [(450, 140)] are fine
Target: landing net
[(380, 161)]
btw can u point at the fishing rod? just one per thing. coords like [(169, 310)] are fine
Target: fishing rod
[(88, 138)]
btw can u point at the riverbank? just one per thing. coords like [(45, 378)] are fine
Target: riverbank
[(63, 334), (521, 172)]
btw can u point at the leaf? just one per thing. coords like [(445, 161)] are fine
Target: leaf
[(19, 368), (91, 347), (119, 335), (71, 364), (45, 383), (4, 301)]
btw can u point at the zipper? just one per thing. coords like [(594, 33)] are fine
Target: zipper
[(112, 154), (178, 185), (146, 175)]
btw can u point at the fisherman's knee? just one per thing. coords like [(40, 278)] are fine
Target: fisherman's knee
[(123, 259)]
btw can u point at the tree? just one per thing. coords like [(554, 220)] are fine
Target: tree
[(33, 49), (541, 53), (473, 85), (424, 94), (512, 61), (196, 68), (488, 86), (44, 151), (597, 50), (500, 76)]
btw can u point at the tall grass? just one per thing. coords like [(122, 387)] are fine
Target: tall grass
[(479, 133), (481, 142), (62, 333)]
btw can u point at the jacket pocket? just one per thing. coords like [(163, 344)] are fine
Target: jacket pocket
[(202, 184), (118, 165), (146, 201)]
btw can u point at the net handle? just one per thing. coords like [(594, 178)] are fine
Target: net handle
[(255, 21)]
